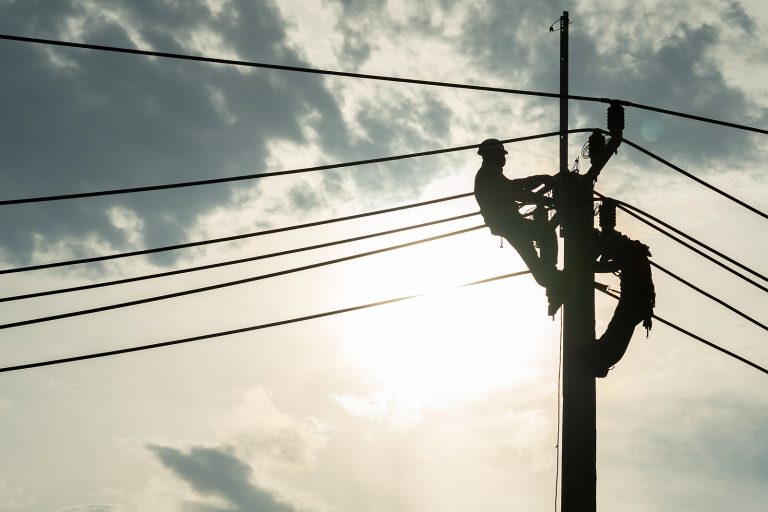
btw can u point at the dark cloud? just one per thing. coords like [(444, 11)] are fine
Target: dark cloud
[(400, 126), (217, 473), (88, 120), (627, 55), (735, 13), (678, 74), (81, 120)]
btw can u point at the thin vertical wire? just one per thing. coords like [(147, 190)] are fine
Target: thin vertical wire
[(557, 441)]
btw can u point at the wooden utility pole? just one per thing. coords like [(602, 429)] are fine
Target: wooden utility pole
[(575, 196), (579, 473), (564, 92)]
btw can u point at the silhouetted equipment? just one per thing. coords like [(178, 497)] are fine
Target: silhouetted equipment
[(600, 150), (596, 146), (616, 118), (607, 214), (618, 253)]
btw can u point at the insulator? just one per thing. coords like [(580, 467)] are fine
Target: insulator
[(608, 215), (596, 146), (615, 118)]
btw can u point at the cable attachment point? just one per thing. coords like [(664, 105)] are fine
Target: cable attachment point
[(596, 146), (608, 215), (615, 119), (558, 29)]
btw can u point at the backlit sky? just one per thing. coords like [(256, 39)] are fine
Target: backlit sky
[(445, 403)]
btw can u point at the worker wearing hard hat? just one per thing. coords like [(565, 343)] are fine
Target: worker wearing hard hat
[(500, 200)]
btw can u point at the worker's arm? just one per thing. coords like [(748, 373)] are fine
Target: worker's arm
[(604, 265), (533, 182), (521, 189)]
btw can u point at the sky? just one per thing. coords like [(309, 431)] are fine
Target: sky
[(447, 402)]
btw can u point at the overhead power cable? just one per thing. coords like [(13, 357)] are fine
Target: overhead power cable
[(331, 313), (692, 248), (243, 177), (232, 238), (235, 331), (229, 262), (694, 117), (383, 78), (299, 69), (696, 179), (699, 338), (217, 286), (709, 295), (624, 206)]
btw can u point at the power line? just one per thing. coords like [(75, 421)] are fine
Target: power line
[(384, 78), (229, 179), (330, 313), (694, 249), (232, 238), (217, 286), (235, 331), (694, 117), (229, 262), (699, 338), (559, 384), (697, 180), (299, 69), (685, 235), (709, 295)]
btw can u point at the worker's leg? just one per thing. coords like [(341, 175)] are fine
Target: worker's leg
[(546, 237), (520, 235), (539, 271)]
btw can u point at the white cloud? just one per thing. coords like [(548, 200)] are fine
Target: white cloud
[(14, 499), (270, 438), (401, 413)]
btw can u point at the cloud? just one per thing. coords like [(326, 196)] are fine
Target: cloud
[(401, 413), (651, 60), (261, 449), (712, 445), (86, 120), (13, 498), (270, 438), (682, 451), (735, 13), (92, 507), (90, 120), (218, 473)]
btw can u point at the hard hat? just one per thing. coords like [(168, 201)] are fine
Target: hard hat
[(491, 146)]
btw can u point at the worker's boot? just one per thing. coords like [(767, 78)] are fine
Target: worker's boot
[(555, 292)]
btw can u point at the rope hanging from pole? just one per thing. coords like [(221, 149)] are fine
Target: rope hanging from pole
[(630, 258)]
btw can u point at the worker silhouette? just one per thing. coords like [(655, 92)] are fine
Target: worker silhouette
[(500, 200)]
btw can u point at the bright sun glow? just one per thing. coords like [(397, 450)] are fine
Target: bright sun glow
[(446, 346)]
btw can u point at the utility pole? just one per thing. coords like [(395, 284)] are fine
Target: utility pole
[(575, 196), (579, 472), (564, 92)]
